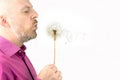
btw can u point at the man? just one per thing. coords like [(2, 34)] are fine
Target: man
[(18, 24)]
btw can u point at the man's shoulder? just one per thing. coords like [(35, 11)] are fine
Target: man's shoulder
[(5, 69), (4, 65), (3, 60)]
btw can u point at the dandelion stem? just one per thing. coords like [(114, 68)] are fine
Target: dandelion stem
[(54, 31), (54, 51)]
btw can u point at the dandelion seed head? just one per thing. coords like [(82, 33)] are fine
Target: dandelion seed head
[(54, 30)]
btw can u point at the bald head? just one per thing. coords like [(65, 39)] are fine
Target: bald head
[(2, 7), (6, 6)]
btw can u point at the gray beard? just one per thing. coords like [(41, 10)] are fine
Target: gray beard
[(25, 37)]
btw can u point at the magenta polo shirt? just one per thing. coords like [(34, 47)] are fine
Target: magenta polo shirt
[(14, 64)]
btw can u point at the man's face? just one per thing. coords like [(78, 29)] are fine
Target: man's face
[(22, 20)]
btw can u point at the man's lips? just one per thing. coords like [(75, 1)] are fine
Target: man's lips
[(35, 23)]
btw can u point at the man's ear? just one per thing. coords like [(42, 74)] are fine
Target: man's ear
[(3, 21)]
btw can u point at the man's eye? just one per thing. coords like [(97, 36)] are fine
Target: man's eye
[(26, 11)]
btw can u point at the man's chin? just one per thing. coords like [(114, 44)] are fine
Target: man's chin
[(30, 38), (33, 37)]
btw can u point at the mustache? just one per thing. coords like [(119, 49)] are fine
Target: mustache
[(35, 22)]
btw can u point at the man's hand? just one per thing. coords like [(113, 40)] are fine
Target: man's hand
[(50, 72)]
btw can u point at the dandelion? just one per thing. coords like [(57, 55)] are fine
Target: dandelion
[(55, 31)]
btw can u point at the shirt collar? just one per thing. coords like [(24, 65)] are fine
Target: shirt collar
[(8, 48)]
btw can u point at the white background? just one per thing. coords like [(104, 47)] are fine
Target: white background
[(90, 50)]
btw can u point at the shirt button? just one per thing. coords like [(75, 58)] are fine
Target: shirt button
[(20, 51)]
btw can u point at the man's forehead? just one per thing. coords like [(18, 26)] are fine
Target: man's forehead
[(26, 6), (15, 2), (13, 5)]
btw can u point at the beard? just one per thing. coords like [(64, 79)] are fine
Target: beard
[(25, 36)]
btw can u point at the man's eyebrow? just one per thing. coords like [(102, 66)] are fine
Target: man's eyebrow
[(27, 7)]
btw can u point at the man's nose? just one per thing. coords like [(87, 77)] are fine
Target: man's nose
[(35, 14)]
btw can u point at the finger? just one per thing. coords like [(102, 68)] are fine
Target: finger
[(60, 78), (58, 74), (51, 66), (54, 68)]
